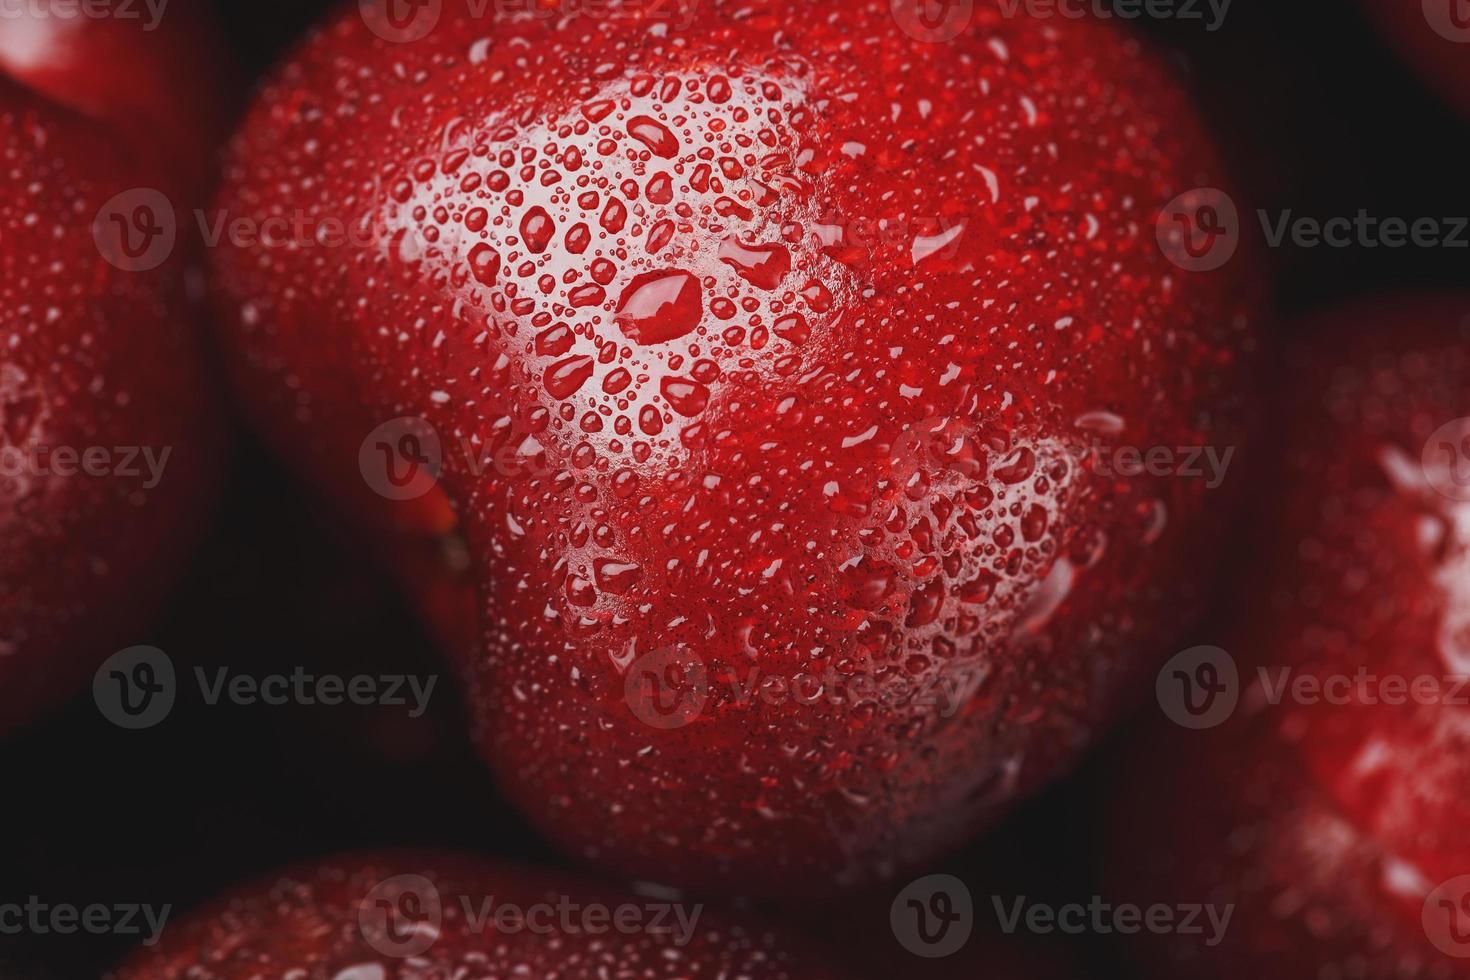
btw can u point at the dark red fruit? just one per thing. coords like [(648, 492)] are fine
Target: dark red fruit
[(765, 347), (105, 426), (370, 917), (1330, 809)]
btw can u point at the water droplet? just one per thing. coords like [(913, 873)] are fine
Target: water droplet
[(657, 307), (927, 245), (686, 397), (1017, 466), (564, 378), (654, 135), (616, 576), (537, 229), (760, 265), (793, 328), (485, 264)]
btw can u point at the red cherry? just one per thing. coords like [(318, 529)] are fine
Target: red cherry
[(155, 82), (1329, 809), (449, 915), (106, 423), (763, 353)]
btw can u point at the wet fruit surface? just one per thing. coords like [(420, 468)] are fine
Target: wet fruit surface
[(105, 429), (1330, 808), (770, 356), (423, 916)]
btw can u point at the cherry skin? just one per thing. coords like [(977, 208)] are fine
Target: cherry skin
[(409, 915), (760, 354), (1329, 808), (107, 427)]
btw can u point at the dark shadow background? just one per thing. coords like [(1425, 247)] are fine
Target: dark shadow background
[(1315, 114)]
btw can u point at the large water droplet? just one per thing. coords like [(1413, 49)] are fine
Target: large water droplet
[(657, 307), (654, 135), (484, 263), (564, 378), (537, 229), (760, 265), (616, 576), (686, 397)]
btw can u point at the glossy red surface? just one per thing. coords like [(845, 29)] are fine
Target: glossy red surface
[(766, 349), (422, 916), (1330, 808), (94, 358)]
